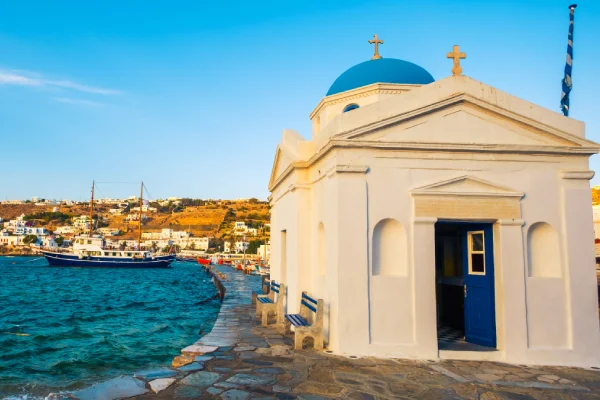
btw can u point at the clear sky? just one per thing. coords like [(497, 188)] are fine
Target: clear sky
[(191, 97)]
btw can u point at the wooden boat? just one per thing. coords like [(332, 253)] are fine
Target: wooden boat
[(90, 251), (204, 261)]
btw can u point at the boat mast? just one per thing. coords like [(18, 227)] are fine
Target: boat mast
[(140, 226), (92, 209)]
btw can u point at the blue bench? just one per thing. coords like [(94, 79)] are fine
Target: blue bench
[(264, 292), (310, 309), (266, 305)]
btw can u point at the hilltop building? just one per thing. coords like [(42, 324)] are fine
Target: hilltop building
[(439, 219)]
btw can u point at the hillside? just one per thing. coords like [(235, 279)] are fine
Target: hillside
[(214, 219)]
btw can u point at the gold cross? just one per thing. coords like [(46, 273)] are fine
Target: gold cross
[(376, 42), (456, 55)]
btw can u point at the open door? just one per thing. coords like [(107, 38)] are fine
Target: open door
[(478, 273)]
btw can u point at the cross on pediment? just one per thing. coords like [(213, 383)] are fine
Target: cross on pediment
[(456, 55)]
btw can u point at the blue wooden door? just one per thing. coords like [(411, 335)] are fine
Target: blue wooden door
[(478, 269)]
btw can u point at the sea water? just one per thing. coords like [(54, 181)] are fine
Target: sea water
[(67, 328)]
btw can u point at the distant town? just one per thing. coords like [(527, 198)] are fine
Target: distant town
[(184, 225)]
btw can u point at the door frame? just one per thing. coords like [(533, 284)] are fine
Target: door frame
[(477, 225)]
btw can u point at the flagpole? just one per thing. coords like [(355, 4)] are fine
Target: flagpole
[(567, 83)]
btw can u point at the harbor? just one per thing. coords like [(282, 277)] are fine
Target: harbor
[(240, 359)]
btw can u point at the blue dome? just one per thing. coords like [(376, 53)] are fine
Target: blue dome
[(383, 70)]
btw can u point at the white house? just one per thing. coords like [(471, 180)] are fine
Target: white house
[(65, 230), (109, 231), (83, 222), (241, 246), (49, 242), (198, 243), (240, 227), (252, 231), (226, 247), (38, 231), (421, 207), (264, 251)]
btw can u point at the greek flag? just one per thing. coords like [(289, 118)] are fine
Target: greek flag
[(567, 84)]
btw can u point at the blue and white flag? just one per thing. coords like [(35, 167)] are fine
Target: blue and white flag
[(567, 84)]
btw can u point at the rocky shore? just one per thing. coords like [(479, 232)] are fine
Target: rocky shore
[(239, 359)]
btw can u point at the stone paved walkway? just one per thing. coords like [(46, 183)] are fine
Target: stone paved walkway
[(240, 359)]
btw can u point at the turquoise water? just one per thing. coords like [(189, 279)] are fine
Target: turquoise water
[(79, 326)]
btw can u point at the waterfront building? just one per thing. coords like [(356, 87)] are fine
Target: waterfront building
[(11, 240), (436, 215), (241, 246), (264, 251), (49, 242), (226, 247), (198, 243)]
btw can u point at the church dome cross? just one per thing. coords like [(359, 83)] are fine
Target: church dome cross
[(376, 42)]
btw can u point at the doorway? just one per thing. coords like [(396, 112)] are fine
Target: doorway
[(464, 263)]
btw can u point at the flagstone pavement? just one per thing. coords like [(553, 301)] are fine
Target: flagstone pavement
[(243, 360)]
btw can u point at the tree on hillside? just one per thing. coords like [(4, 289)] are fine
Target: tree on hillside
[(254, 245), (29, 239), (230, 216), (59, 240)]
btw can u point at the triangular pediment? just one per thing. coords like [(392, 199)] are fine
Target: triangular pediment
[(281, 163), (465, 186), (468, 123)]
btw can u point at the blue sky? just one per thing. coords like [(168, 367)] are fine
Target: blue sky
[(191, 97)]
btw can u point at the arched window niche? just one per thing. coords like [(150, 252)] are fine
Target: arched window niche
[(543, 251), (389, 249), (321, 250), (351, 107)]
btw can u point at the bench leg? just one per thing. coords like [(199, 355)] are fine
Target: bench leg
[(287, 326), (298, 339), (318, 342), (265, 318), (258, 308), (280, 318), (253, 298)]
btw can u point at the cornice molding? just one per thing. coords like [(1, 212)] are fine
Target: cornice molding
[(583, 175), (375, 88)]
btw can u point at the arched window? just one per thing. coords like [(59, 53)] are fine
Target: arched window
[(543, 251), (389, 249), (350, 107)]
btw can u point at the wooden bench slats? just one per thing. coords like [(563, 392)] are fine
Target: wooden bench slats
[(265, 300), (309, 306), (306, 297), (296, 320)]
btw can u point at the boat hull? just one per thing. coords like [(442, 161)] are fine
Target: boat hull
[(71, 260)]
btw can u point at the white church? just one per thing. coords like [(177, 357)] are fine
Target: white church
[(439, 219)]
